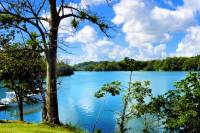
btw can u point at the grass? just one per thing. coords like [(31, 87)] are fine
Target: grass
[(22, 127)]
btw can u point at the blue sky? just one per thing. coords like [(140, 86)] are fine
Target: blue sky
[(144, 30)]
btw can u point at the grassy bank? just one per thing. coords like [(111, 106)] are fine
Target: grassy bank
[(22, 127)]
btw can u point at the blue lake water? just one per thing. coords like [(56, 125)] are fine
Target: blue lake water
[(78, 106)]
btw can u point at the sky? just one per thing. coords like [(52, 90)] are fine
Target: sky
[(143, 30)]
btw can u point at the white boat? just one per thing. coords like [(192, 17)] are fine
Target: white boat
[(10, 98)]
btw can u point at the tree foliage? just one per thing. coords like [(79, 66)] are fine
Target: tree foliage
[(180, 108), (21, 72), (63, 69), (168, 64), (177, 110), (134, 104)]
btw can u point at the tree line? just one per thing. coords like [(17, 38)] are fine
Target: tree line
[(62, 68), (168, 64)]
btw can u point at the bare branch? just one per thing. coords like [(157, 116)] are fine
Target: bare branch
[(41, 6), (20, 18), (64, 50)]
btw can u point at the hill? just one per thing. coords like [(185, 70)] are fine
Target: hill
[(168, 64)]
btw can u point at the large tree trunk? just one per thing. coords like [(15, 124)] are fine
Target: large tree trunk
[(44, 109), (20, 105), (42, 93), (51, 89), (51, 81), (21, 109)]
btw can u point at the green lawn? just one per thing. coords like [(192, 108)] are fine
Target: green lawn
[(22, 127)]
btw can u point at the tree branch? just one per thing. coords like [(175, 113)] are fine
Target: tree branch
[(28, 20), (89, 18), (41, 6)]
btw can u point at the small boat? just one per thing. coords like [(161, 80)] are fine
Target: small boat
[(10, 99), (10, 96)]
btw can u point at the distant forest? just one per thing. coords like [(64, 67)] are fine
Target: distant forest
[(168, 64)]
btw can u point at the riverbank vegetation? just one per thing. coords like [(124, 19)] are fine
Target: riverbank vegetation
[(21, 72), (64, 69), (177, 110), (168, 64), (22, 127), (23, 69)]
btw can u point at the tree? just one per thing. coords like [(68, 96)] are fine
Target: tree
[(134, 103), (191, 64), (25, 15), (20, 72), (64, 69), (173, 64), (180, 108), (149, 66)]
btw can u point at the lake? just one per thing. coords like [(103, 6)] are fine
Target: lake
[(78, 106)]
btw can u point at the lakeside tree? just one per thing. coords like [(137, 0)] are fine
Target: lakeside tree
[(134, 104), (179, 108), (26, 16), (63, 69), (20, 71)]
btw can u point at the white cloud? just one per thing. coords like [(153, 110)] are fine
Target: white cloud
[(168, 2), (173, 20), (140, 29), (124, 10), (192, 5), (85, 35), (144, 23), (118, 52), (190, 44), (138, 24), (86, 3), (96, 49), (93, 47), (151, 52), (147, 26)]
